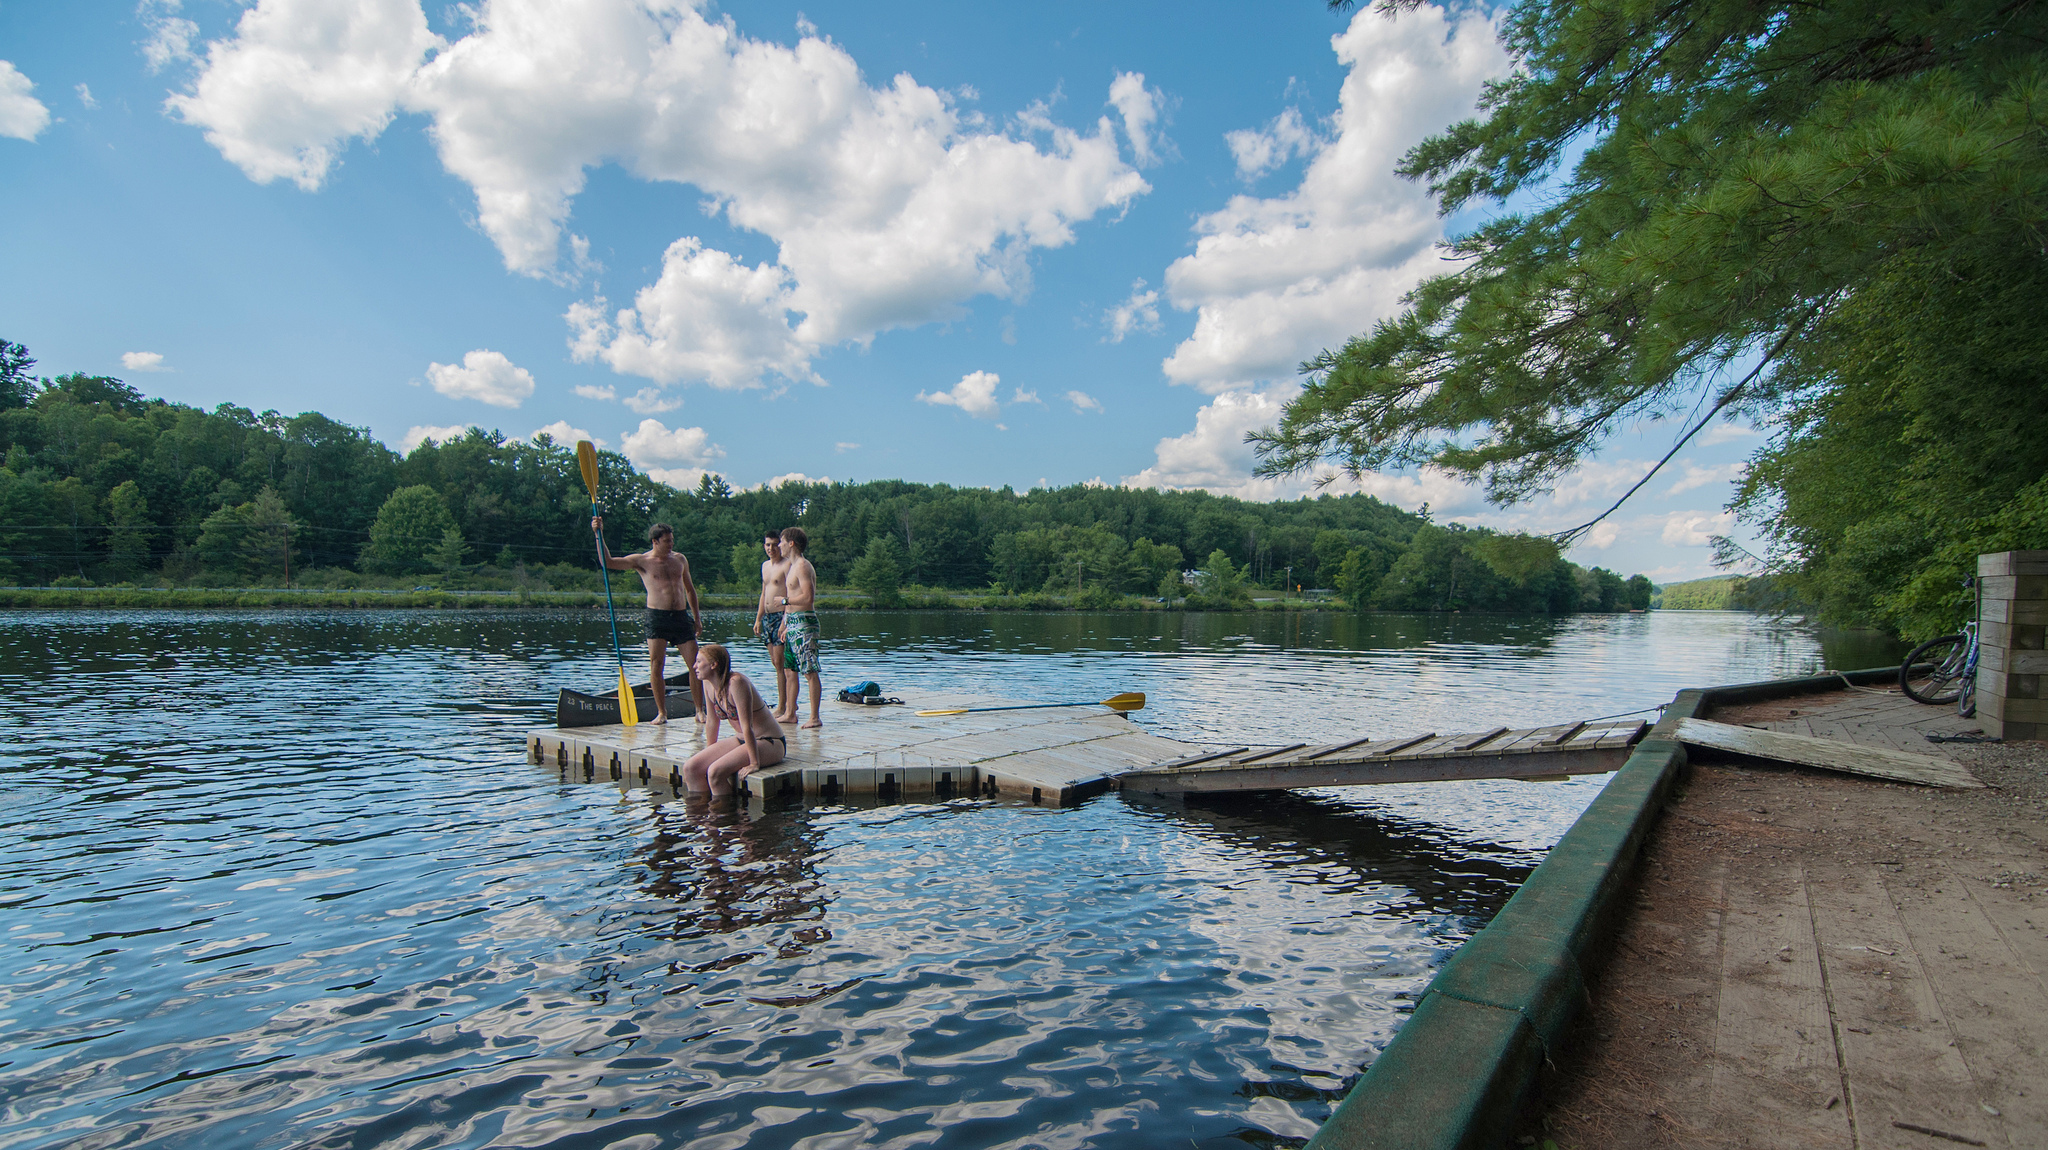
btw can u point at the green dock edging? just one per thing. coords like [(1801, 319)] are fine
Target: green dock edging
[(1467, 1061)]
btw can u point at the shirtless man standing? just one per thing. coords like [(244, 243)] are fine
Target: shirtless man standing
[(800, 618), (666, 575), (768, 624)]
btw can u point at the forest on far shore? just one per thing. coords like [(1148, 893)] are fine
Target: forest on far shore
[(101, 485)]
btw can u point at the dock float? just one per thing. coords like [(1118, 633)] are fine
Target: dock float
[(1060, 757)]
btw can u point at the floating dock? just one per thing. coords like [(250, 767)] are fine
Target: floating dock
[(1058, 757)]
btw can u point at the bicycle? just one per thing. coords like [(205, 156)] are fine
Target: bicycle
[(1944, 670)]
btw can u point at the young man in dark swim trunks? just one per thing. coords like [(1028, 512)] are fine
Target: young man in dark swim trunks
[(672, 613), (768, 624)]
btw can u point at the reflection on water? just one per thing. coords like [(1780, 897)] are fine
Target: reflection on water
[(284, 880)]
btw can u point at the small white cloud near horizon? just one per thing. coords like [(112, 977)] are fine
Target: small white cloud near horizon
[(585, 390), (419, 434), (649, 401), (1727, 433), (22, 116), (1695, 528), (975, 394), (1140, 312), (143, 361), (563, 434), (1083, 402), (843, 448), (653, 448), (85, 99), (485, 376), (1697, 476), (790, 477), (1022, 396)]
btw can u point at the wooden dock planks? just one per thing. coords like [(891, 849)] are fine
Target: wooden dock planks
[(1540, 752), (1051, 757), (1826, 753)]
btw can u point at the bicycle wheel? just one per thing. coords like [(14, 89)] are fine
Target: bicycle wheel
[(1933, 673)]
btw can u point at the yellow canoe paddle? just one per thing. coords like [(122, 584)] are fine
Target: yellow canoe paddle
[(586, 461), (1128, 701)]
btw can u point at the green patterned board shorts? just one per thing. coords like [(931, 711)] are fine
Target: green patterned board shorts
[(800, 642)]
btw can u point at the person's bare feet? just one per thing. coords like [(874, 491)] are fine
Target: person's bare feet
[(813, 723), (661, 720)]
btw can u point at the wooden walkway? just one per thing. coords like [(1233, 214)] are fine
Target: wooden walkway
[(1818, 960), (1499, 753)]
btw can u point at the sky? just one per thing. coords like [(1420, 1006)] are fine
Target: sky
[(1025, 245)]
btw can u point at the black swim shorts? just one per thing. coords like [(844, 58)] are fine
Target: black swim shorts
[(673, 626)]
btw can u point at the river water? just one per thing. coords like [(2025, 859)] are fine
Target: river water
[(285, 880)]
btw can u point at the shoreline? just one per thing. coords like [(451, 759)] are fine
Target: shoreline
[(145, 598)]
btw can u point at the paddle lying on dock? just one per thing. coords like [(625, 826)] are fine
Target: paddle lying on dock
[(586, 461), (1128, 701)]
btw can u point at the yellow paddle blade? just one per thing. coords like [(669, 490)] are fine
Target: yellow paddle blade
[(586, 461), (1128, 701), (629, 711), (961, 711)]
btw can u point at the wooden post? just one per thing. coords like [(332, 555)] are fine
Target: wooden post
[(2012, 637)]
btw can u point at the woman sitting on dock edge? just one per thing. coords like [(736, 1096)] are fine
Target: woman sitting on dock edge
[(758, 741)]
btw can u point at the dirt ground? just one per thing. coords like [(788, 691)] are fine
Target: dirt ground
[(1814, 959)]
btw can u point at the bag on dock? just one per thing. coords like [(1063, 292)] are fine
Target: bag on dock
[(868, 693)]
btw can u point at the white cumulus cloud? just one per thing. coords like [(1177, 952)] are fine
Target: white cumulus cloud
[(85, 99), (887, 206), (1021, 396), (1140, 312), (653, 444), (1697, 476), (606, 392), (1274, 280), (1260, 150), (483, 375), (789, 477), (975, 394), (143, 361), (300, 79), (1727, 433), (1696, 529), (1139, 107), (22, 116), (1082, 401), (419, 434), (170, 35), (649, 401), (563, 434)]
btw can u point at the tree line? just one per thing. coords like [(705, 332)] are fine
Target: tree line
[(102, 485)]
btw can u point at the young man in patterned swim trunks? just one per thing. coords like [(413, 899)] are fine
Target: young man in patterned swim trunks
[(800, 617), (666, 575), (768, 624)]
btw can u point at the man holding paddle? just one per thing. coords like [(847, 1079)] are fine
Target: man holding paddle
[(672, 612)]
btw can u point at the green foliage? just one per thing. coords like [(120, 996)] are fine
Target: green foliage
[(409, 527), (17, 387), (1912, 441), (1221, 584), (1747, 171), (447, 554), (879, 573), (744, 561), (246, 542)]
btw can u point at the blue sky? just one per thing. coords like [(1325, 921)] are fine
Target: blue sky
[(1026, 244)]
